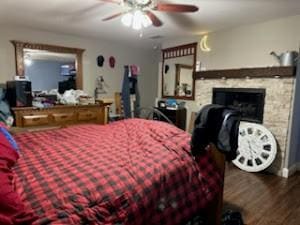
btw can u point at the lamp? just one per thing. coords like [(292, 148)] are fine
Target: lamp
[(137, 20), (127, 19)]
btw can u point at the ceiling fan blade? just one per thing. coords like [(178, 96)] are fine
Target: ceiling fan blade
[(113, 16), (165, 7), (155, 20)]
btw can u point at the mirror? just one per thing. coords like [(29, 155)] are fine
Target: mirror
[(49, 66), (50, 70), (178, 72)]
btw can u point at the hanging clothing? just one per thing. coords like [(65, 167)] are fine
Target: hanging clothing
[(130, 87), (134, 70)]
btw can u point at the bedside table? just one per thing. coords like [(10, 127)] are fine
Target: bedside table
[(177, 116)]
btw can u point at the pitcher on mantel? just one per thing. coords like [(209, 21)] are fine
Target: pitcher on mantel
[(288, 58)]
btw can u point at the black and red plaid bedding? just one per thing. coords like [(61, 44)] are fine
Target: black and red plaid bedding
[(128, 172)]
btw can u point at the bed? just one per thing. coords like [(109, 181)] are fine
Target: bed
[(129, 172)]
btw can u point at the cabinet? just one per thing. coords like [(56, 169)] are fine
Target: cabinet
[(61, 115), (177, 116)]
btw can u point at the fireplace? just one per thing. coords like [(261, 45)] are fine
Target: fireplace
[(250, 101)]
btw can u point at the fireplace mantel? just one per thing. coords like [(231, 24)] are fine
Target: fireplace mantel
[(257, 72)]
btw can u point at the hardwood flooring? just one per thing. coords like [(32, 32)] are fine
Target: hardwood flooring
[(263, 199)]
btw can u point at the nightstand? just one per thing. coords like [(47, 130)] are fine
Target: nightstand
[(177, 116)]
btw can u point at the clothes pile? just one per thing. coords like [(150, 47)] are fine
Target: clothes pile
[(71, 97)]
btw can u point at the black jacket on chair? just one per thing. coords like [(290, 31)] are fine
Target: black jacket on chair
[(218, 125)]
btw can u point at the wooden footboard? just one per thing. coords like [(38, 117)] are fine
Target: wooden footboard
[(214, 211)]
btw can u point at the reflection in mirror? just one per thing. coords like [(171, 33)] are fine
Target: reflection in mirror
[(50, 70), (178, 70), (184, 80)]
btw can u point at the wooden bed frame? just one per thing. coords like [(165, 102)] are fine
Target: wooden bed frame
[(214, 210)]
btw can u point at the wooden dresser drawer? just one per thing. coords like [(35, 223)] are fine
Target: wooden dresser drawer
[(35, 120), (87, 115), (63, 117), (60, 115)]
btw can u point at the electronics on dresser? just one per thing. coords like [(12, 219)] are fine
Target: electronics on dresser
[(66, 85), (161, 104), (18, 93)]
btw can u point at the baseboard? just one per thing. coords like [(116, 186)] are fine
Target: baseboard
[(287, 172)]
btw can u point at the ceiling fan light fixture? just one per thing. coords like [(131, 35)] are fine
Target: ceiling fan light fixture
[(146, 21), (137, 20), (142, 2), (127, 19)]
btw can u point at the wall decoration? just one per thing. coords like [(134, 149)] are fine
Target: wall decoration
[(112, 62), (203, 44), (167, 67), (100, 60), (257, 147)]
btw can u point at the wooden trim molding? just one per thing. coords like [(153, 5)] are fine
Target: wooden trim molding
[(179, 51), (259, 72), (19, 52)]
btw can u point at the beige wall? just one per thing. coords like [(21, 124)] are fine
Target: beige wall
[(250, 46), (124, 55), (247, 46)]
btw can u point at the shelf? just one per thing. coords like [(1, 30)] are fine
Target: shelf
[(259, 72)]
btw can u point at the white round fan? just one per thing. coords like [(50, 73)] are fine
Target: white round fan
[(257, 147)]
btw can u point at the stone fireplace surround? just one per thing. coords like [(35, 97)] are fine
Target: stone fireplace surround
[(279, 94)]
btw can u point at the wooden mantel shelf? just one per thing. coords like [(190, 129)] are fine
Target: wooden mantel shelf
[(259, 72)]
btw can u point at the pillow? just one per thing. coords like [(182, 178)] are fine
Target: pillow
[(12, 209)]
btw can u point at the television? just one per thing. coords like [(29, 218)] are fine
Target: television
[(67, 70)]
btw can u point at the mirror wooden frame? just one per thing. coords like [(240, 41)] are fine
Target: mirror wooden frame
[(19, 54), (180, 51)]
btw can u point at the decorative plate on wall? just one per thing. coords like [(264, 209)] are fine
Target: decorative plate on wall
[(257, 147)]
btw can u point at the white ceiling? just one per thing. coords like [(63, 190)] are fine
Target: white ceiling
[(83, 17)]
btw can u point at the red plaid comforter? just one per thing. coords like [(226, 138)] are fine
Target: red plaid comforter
[(128, 172)]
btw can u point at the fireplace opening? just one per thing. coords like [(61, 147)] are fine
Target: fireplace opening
[(249, 101)]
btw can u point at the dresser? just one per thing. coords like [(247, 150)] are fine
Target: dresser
[(177, 116), (60, 115)]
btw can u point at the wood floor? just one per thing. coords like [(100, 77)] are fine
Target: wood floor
[(263, 199)]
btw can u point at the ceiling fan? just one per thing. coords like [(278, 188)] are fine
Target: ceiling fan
[(138, 13)]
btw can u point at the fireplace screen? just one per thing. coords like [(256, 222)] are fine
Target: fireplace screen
[(250, 101)]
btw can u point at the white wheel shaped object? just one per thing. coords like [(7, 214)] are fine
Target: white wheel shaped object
[(257, 147)]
